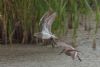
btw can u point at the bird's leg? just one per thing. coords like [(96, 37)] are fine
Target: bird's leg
[(61, 52)]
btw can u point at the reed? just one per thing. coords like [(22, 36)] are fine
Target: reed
[(21, 17)]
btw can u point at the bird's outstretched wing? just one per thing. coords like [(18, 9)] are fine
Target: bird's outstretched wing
[(50, 20), (47, 20)]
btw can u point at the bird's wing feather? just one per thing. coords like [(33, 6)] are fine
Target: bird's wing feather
[(50, 20), (47, 20)]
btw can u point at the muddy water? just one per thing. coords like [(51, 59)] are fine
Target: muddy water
[(39, 56)]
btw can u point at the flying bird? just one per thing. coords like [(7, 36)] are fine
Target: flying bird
[(46, 23), (69, 50)]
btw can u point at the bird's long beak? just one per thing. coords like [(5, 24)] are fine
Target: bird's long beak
[(79, 58)]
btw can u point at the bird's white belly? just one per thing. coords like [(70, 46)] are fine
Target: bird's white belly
[(46, 35)]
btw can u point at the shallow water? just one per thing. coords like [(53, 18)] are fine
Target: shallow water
[(40, 56)]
